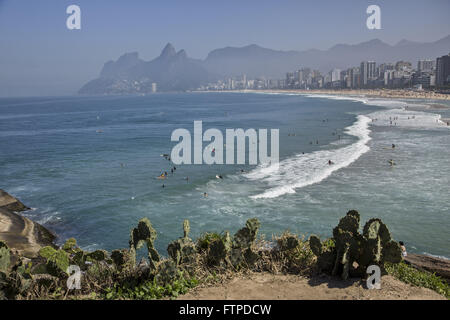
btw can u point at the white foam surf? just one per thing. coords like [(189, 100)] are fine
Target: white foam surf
[(306, 169), (403, 111)]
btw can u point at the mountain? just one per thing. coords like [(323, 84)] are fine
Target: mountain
[(175, 71), (256, 61), (171, 71)]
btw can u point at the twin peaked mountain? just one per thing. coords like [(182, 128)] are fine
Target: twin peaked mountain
[(175, 71), (171, 71)]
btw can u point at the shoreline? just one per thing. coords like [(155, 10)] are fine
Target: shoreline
[(20, 233), (367, 93)]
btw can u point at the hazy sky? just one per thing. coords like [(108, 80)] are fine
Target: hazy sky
[(40, 56)]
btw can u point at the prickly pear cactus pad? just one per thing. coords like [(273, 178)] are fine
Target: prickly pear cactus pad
[(183, 250), (144, 233), (353, 252)]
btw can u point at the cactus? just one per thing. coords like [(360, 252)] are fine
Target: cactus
[(97, 255), (167, 272), (144, 233), (374, 246), (57, 260), (243, 242), (70, 245), (183, 250), (288, 242), (5, 257), (246, 236), (124, 259), (219, 250), (315, 245)]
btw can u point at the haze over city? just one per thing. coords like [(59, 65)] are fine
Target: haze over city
[(40, 56)]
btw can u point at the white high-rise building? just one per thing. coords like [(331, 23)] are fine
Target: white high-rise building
[(335, 75), (368, 72), (425, 65)]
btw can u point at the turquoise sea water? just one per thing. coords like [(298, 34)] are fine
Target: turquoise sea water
[(88, 166)]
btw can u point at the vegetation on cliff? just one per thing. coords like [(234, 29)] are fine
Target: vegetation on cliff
[(211, 258)]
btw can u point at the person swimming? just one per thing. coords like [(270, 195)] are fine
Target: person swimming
[(393, 146), (205, 194), (330, 162), (391, 162)]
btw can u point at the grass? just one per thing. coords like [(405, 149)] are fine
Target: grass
[(418, 278)]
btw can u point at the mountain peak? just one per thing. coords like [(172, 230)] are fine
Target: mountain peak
[(168, 51), (372, 42), (405, 42), (129, 56), (182, 54)]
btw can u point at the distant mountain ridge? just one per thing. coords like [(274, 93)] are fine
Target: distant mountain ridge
[(256, 61), (175, 71)]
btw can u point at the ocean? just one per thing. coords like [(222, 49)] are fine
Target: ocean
[(88, 166)]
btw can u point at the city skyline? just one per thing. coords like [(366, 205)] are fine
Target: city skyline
[(429, 74), (41, 56)]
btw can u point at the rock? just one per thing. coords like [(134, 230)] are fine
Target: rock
[(20, 233), (432, 264), (10, 203)]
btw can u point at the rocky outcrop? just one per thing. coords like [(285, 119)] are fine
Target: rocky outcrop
[(20, 233), (440, 267), (9, 202)]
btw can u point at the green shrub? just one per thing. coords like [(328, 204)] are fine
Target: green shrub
[(58, 258), (150, 290), (425, 279)]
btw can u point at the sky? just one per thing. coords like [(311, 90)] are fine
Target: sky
[(40, 56)]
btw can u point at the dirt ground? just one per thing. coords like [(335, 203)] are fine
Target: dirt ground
[(265, 286)]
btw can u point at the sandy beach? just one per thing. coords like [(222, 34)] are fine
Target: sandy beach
[(369, 93)]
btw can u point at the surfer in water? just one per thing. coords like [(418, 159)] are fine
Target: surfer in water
[(391, 162), (218, 176), (393, 146), (330, 162)]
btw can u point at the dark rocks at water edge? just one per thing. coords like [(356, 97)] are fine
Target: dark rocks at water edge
[(439, 266), (26, 237), (10, 203)]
